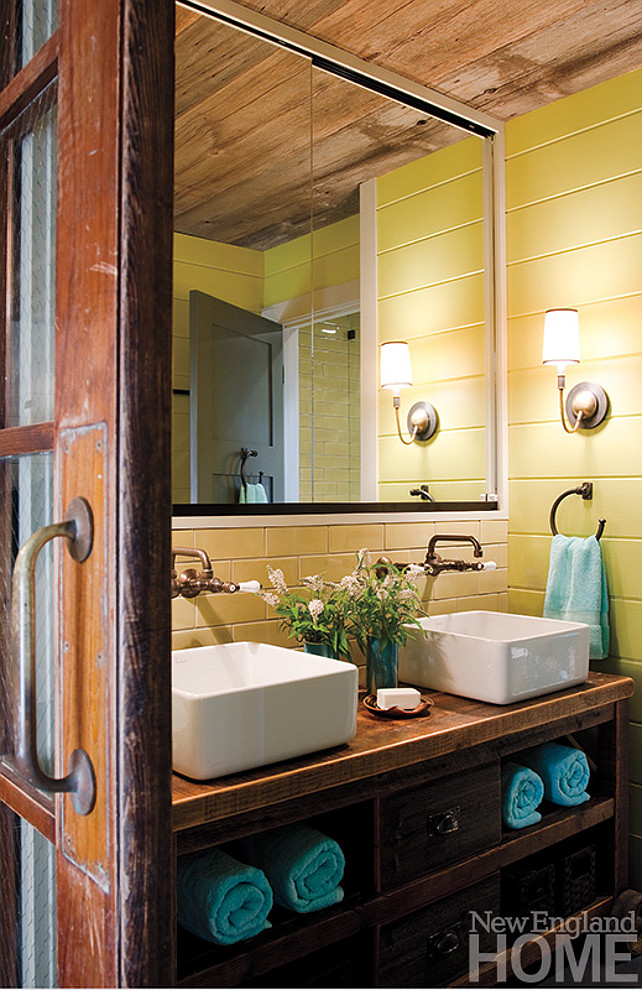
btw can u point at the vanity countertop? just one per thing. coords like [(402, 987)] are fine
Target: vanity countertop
[(381, 745)]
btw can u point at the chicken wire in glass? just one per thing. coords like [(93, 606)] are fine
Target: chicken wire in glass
[(31, 154), (26, 494), (26, 26), (26, 501)]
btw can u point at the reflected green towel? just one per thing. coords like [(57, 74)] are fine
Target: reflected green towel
[(576, 589), (251, 494), (303, 866), (220, 899)]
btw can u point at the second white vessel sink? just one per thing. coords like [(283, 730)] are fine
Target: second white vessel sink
[(494, 656), (242, 705)]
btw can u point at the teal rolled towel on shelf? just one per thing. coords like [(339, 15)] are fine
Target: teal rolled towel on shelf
[(522, 793), (564, 770), (220, 899), (576, 589), (303, 866)]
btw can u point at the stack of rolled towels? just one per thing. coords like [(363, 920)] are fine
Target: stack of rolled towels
[(224, 900), (552, 771)]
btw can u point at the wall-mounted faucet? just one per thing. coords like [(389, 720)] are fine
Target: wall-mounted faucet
[(190, 582), (434, 564)]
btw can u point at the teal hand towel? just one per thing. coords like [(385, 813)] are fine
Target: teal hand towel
[(522, 793), (220, 899), (564, 771), (303, 866), (576, 589)]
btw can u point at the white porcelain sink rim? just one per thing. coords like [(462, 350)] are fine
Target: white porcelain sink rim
[(548, 627), (304, 667)]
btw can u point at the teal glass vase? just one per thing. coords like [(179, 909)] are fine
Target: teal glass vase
[(381, 665), (320, 650)]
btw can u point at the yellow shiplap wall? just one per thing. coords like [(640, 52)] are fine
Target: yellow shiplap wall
[(431, 293), (231, 273), (326, 258), (574, 197)]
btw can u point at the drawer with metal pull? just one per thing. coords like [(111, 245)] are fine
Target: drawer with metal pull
[(430, 947), (424, 828)]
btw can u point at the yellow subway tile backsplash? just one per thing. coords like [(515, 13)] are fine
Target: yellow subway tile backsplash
[(188, 639), (262, 632), (231, 543), (353, 538), (225, 610), (183, 616), (256, 570), (332, 566), (400, 535), (284, 541)]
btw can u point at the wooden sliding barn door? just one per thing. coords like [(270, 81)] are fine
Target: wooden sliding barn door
[(86, 93)]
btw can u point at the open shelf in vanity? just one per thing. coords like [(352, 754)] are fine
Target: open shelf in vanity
[(407, 885)]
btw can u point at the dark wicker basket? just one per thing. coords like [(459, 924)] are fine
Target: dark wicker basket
[(576, 880), (528, 888)]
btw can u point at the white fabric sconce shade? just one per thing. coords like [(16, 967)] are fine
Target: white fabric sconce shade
[(395, 368), (396, 373), (561, 337), (587, 403)]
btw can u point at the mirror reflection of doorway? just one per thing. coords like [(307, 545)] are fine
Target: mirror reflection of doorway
[(236, 403)]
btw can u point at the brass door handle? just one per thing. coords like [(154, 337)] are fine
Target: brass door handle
[(80, 780)]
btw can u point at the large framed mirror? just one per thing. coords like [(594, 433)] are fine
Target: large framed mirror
[(324, 208)]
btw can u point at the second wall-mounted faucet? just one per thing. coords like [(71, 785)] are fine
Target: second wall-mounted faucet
[(190, 582), (434, 564)]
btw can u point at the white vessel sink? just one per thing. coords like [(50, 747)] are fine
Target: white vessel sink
[(495, 657), (242, 705)]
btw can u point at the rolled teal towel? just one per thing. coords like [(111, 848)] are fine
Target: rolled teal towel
[(522, 793), (564, 770), (576, 589), (220, 899), (303, 866)]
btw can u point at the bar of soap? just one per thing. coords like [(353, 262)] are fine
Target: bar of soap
[(405, 698)]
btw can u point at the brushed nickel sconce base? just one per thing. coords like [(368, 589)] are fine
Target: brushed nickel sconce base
[(423, 416), (589, 399)]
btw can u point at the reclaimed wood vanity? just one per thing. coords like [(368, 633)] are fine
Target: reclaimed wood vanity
[(415, 805)]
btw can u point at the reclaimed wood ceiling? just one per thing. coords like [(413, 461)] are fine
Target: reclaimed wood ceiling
[(243, 125)]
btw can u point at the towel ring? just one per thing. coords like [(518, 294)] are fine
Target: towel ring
[(245, 453), (586, 491)]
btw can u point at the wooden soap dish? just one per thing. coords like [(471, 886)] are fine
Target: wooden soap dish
[(370, 702)]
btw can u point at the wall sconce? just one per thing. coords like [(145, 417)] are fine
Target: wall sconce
[(587, 403), (396, 374)]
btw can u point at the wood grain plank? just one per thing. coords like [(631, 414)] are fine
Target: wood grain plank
[(17, 440), (294, 939), (143, 735), (35, 807), (527, 56), (456, 724)]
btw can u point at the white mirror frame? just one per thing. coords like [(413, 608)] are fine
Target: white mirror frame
[(470, 120)]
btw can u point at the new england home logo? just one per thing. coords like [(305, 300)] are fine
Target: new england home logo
[(563, 956)]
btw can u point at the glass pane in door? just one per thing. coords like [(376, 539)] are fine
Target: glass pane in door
[(32, 242), (26, 497), (26, 25)]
